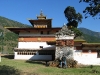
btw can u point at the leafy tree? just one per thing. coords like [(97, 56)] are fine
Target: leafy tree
[(72, 16), (93, 9), (73, 19), (77, 32)]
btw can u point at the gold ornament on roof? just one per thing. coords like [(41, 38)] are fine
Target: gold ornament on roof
[(41, 13), (41, 16)]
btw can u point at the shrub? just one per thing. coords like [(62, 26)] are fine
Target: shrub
[(71, 63)]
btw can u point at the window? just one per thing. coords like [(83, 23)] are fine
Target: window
[(41, 46), (46, 26), (56, 31), (45, 52), (35, 26), (25, 52), (98, 53), (48, 32), (37, 53), (41, 32), (89, 51), (38, 26)]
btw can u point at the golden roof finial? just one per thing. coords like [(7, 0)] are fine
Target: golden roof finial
[(41, 16), (41, 13)]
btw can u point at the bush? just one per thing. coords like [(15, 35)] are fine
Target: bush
[(71, 63), (54, 63)]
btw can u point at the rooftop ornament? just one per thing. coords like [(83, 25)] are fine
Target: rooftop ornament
[(41, 16), (41, 13), (64, 31)]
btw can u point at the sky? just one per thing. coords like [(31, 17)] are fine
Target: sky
[(22, 10)]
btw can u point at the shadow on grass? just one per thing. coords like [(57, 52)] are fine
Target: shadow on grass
[(8, 56), (7, 70), (36, 62)]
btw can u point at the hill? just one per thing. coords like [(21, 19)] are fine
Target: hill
[(5, 22), (90, 32), (9, 39), (90, 36)]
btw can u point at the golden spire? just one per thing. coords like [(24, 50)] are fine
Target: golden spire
[(41, 13), (41, 16)]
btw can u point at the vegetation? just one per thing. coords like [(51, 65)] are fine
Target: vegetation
[(92, 9), (77, 32), (73, 19), (72, 16), (90, 36), (9, 39), (8, 66), (90, 32), (5, 22), (91, 39)]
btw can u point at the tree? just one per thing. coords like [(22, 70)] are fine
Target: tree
[(72, 16), (73, 19), (93, 9)]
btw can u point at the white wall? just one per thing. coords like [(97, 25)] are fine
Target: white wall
[(86, 58), (60, 37), (33, 57), (33, 45)]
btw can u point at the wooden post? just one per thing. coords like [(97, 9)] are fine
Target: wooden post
[(0, 56)]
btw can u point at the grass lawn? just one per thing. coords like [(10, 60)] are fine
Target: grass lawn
[(9, 66)]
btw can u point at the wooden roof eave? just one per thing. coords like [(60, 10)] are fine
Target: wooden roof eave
[(31, 20), (89, 48), (77, 44), (52, 48), (82, 41), (91, 44), (40, 20), (17, 32), (32, 29), (51, 42)]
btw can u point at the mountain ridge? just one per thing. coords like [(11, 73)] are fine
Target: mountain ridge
[(90, 32)]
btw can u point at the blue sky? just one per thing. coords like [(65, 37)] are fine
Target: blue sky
[(22, 10)]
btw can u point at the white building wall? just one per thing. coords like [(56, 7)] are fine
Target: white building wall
[(33, 57), (60, 37), (86, 58), (33, 45)]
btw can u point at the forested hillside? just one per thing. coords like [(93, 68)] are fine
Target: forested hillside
[(9, 39), (90, 36), (90, 32), (5, 22)]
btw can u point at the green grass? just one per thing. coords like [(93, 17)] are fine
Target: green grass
[(10, 66)]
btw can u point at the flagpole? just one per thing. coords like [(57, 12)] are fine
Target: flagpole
[(1, 34), (2, 42)]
